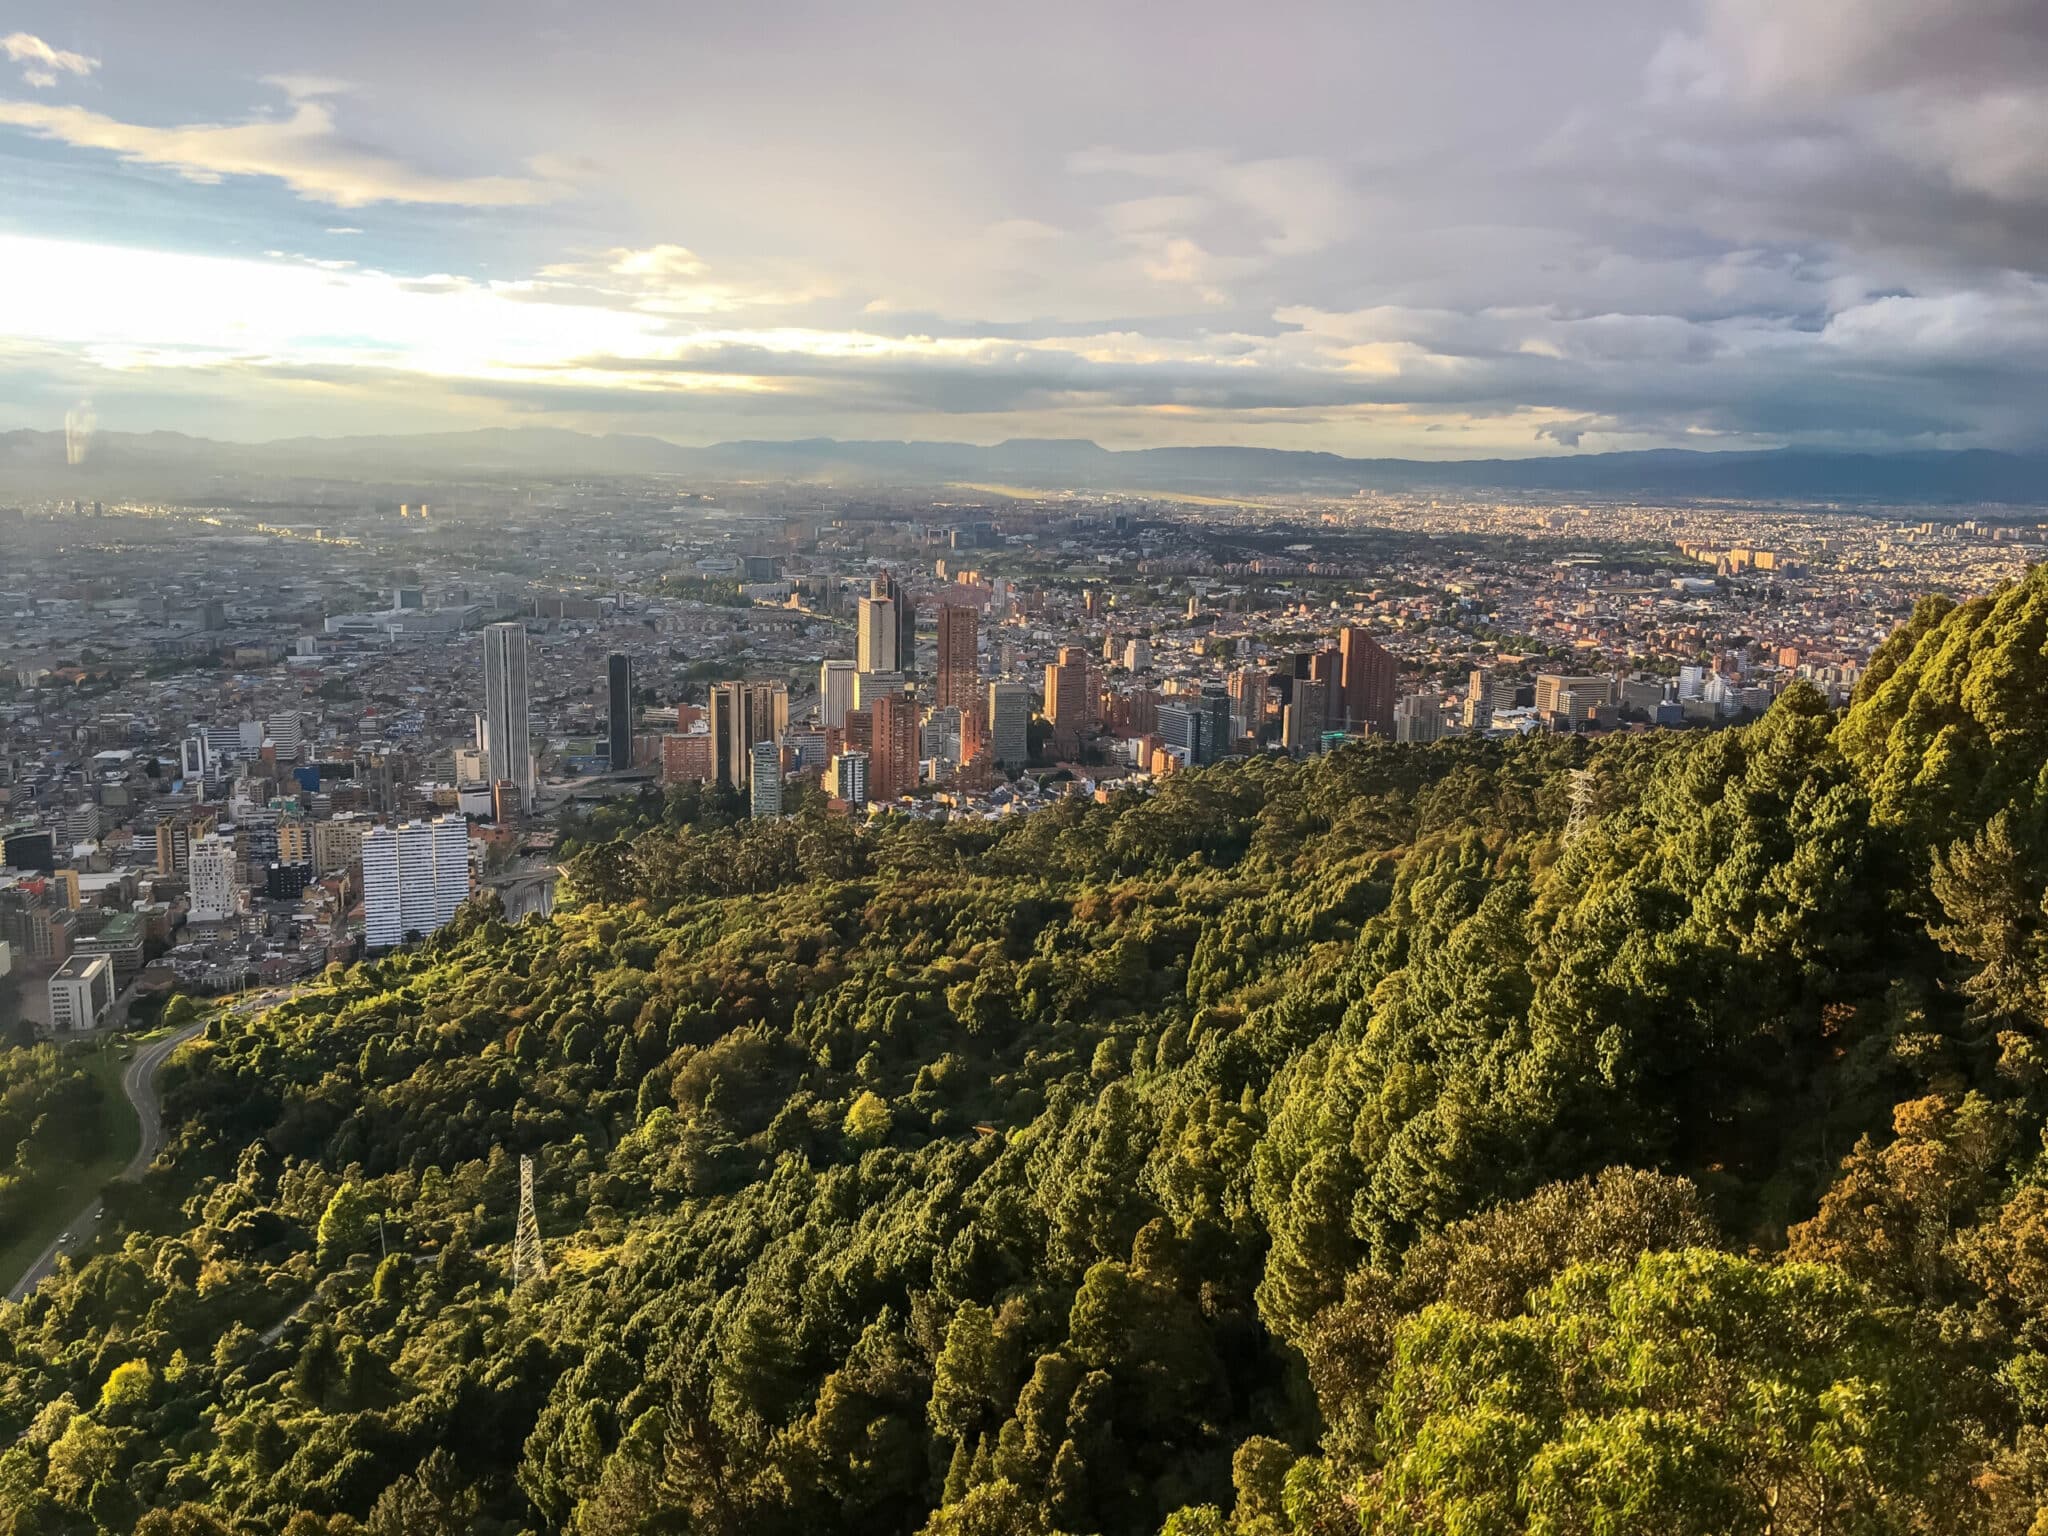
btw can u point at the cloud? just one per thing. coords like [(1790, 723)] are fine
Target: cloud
[(1748, 222), (1803, 50), (1301, 204), (664, 279), (1952, 369), (303, 151), (40, 63), (1915, 124)]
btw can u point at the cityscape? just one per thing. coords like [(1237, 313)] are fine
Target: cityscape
[(305, 741), (1089, 770)]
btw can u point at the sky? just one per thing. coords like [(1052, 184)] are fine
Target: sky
[(1461, 229)]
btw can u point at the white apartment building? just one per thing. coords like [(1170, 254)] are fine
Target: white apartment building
[(765, 791), (415, 876), (211, 875)]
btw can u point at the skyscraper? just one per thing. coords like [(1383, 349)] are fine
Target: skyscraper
[(860, 730), (1182, 726), (415, 876), (835, 691), (875, 636), (904, 608), (507, 741), (959, 657), (618, 675), (850, 777), (870, 686), (1303, 720), (973, 732), (742, 715), (1009, 724), (1419, 718), (1248, 689), (1066, 692), (1218, 739), (1477, 713), (1368, 682), (1326, 666), (765, 792), (892, 767)]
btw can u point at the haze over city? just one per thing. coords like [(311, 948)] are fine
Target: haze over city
[(1436, 231)]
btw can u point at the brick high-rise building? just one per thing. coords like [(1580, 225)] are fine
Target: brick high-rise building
[(1068, 700), (859, 735), (959, 670), (892, 765), (687, 758), (974, 735), (1368, 682), (294, 840)]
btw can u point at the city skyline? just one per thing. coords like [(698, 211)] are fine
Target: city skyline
[(1708, 223)]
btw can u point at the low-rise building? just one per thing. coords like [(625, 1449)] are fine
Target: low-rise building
[(81, 992)]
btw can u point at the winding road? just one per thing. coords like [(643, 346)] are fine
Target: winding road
[(138, 1081)]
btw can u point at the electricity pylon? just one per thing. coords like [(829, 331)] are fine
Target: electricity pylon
[(1582, 803), (529, 1262)]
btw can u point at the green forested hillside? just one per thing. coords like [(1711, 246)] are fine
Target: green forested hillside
[(1343, 1146)]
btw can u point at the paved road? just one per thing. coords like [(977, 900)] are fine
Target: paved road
[(138, 1081)]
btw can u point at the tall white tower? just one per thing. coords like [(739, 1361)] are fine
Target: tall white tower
[(507, 745), (875, 638), (835, 692)]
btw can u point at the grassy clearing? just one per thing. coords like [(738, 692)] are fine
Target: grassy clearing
[(60, 1201)]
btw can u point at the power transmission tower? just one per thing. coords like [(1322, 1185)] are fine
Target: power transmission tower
[(1582, 803), (529, 1262)]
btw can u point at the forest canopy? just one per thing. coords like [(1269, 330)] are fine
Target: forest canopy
[(1362, 1144)]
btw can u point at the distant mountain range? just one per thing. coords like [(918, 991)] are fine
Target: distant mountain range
[(34, 463)]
